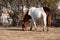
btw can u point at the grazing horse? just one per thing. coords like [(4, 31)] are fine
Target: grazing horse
[(36, 13)]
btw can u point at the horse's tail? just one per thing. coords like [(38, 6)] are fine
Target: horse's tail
[(47, 11)]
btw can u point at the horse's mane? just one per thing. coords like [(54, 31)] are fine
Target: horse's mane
[(26, 16)]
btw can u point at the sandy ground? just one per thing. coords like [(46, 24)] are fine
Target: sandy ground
[(14, 33)]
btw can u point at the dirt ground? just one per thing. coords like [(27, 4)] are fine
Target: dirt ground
[(14, 33)]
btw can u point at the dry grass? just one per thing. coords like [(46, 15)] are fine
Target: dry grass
[(14, 33)]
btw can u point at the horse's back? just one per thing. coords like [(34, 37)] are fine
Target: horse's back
[(36, 12)]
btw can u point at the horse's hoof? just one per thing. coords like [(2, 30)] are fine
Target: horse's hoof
[(45, 30), (35, 30), (30, 29), (23, 29)]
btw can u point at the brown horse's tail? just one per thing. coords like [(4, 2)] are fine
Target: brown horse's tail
[(49, 20), (47, 11)]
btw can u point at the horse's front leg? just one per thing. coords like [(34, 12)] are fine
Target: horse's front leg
[(34, 23), (31, 25)]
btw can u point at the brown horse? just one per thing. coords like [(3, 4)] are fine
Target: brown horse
[(27, 17)]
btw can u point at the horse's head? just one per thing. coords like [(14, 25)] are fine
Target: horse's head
[(23, 26), (25, 20)]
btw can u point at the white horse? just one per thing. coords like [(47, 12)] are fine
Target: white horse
[(36, 13)]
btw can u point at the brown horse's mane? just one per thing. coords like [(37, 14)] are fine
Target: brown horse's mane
[(26, 17), (25, 20)]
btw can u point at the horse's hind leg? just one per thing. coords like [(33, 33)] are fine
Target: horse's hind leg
[(45, 28)]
